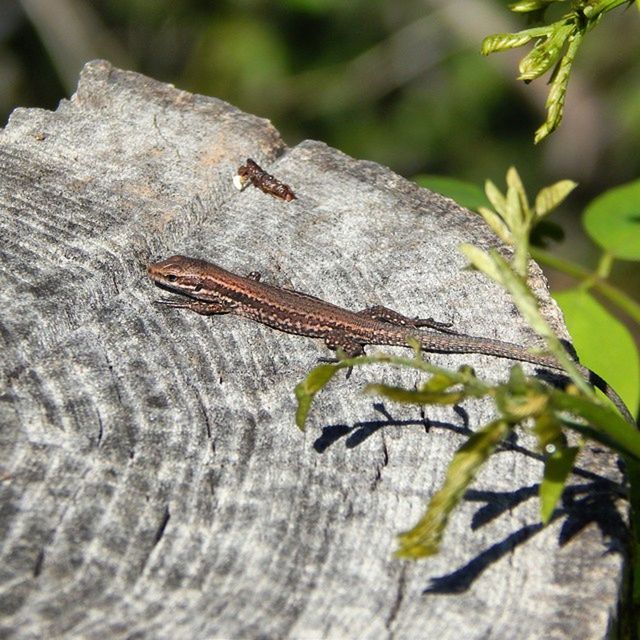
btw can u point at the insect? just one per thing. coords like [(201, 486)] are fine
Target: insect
[(252, 172)]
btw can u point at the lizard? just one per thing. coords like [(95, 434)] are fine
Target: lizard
[(208, 289)]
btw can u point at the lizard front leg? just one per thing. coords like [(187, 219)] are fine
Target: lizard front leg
[(202, 307)]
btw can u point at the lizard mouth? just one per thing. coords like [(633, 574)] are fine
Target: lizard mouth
[(166, 286)]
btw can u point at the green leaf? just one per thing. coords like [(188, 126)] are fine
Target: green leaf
[(496, 224), (481, 260), (438, 382), (517, 219), (536, 62), (525, 6), (550, 197), (557, 468), (603, 343), (504, 41), (545, 54), (522, 296), (497, 200), (411, 396), (466, 194), (558, 91), (548, 431), (515, 187), (517, 402), (307, 389), (613, 221), (424, 539)]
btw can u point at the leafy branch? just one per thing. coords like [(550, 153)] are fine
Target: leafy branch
[(513, 221), (556, 47), (611, 220), (521, 401)]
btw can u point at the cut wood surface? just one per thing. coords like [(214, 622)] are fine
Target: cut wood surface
[(153, 483)]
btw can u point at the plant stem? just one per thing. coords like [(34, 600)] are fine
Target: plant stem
[(604, 6), (604, 265), (617, 297)]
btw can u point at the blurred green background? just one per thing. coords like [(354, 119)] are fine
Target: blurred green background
[(398, 82)]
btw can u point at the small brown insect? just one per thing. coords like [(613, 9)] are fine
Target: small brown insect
[(251, 172)]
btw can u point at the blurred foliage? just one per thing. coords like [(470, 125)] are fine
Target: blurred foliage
[(398, 83), (603, 343), (613, 221)]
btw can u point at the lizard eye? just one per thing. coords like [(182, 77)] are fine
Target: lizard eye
[(197, 287), (172, 277)]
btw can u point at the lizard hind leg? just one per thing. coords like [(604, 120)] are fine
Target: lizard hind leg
[(384, 314), (351, 347)]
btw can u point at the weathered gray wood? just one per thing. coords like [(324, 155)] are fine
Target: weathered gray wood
[(153, 482)]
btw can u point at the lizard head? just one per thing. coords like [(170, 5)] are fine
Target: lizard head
[(178, 273)]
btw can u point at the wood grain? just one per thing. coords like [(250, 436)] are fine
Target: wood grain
[(153, 484)]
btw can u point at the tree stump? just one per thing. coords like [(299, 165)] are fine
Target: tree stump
[(153, 482)]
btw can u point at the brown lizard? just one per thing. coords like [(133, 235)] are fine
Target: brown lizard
[(210, 289)]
